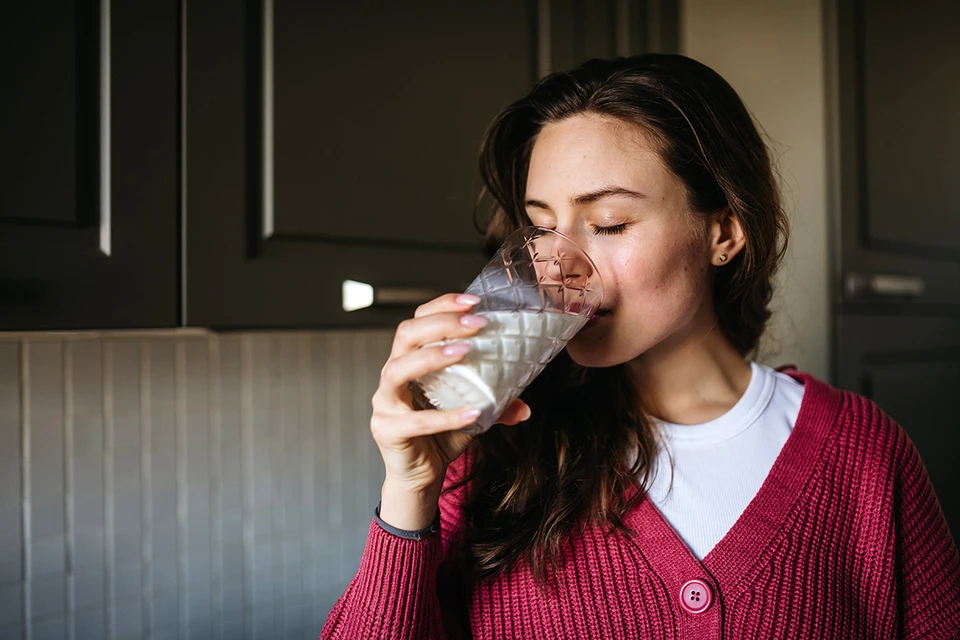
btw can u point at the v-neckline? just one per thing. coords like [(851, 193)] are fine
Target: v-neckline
[(765, 515)]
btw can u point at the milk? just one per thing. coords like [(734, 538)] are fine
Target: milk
[(506, 356)]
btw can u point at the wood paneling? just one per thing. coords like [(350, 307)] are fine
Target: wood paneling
[(11, 494), (190, 485)]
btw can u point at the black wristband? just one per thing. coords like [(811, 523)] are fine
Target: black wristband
[(403, 533)]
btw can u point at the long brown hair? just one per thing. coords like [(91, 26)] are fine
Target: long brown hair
[(531, 486)]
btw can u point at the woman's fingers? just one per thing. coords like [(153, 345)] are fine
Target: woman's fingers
[(447, 302), (517, 412), (402, 370), (394, 429), (413, 333)]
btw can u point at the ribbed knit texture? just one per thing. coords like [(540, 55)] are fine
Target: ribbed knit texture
[(845, 539)]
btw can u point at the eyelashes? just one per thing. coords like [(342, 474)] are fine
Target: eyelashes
[(600, 231), (609, 231)]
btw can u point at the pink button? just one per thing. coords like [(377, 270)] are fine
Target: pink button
[(695, 596)]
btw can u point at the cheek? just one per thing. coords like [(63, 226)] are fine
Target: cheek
[(657, 291), (661, 280)]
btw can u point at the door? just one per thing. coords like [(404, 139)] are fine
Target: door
[(88, 165), (338, 141), (897, 296)]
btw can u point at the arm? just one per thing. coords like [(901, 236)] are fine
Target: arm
[(394, 594), (407, 586)]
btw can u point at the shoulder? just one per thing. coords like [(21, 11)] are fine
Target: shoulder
[(856, 432), (865, 464), (876, 483)]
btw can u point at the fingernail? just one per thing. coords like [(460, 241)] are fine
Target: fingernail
[(468, 299), (476, 322), (470, 414), (456, 349)]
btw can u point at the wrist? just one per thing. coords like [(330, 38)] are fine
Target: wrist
[(407, 507), (409, 534)]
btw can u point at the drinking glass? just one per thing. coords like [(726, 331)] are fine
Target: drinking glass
[(537, 292)]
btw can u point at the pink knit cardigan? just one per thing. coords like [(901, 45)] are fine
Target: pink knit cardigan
[(845, 539)]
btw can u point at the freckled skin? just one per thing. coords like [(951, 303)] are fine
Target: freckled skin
[(657, 272)]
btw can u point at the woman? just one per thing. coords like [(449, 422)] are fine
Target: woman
[(661, 484)]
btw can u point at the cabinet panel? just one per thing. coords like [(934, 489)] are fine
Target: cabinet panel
[(378, 111), (339, 141), (893, 116), (911, 133), (88, 216), (40, 116), (328, 143)]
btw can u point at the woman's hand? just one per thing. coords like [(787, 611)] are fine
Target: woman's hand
[(418, 445)]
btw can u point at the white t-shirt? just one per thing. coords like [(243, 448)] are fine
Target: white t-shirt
[(719, 466)]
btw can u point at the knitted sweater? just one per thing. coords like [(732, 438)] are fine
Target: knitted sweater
[(845, 539)]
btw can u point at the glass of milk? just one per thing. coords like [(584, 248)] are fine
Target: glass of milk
[(537, 291)]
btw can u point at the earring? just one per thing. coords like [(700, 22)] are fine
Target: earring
[(723, 257)]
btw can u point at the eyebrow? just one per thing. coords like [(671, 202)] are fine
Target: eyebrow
[(593, 196)]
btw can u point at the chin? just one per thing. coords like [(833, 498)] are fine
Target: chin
[(588, 352)]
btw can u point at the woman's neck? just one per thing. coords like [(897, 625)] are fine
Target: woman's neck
[(691, 380)]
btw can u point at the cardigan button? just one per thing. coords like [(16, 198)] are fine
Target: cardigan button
[(695, 596)]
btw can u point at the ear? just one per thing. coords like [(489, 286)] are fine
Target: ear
[(726, 237)]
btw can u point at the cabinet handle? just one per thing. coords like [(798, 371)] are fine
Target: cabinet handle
[(859, 285), (360, 295), (106, 246)]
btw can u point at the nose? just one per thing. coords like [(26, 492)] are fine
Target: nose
[(565, 273), (567, 268)]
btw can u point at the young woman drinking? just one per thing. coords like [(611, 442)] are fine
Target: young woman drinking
[(654, 481)]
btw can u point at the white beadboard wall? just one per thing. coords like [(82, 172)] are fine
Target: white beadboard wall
[(183, 485)]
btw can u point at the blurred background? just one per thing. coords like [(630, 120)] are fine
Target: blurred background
[(185, 186)]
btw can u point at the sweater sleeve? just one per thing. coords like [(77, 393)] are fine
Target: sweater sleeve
[(928, 565), (405, 588), (394, 594)]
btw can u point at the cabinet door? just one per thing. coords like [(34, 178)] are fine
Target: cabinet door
[(88, 181), (895, 108), (335, 141), (896, 300)]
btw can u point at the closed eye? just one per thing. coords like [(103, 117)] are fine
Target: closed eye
[(609, 231)]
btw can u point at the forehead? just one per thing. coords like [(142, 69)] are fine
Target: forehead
[(586, 150)]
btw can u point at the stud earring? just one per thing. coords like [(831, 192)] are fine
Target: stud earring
[(723, 257)]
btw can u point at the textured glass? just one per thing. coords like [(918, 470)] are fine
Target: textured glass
[(537, 291)]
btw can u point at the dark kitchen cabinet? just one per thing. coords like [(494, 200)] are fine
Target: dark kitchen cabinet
[(896, 305), (230, 165), (335, 141), (89, 153)]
